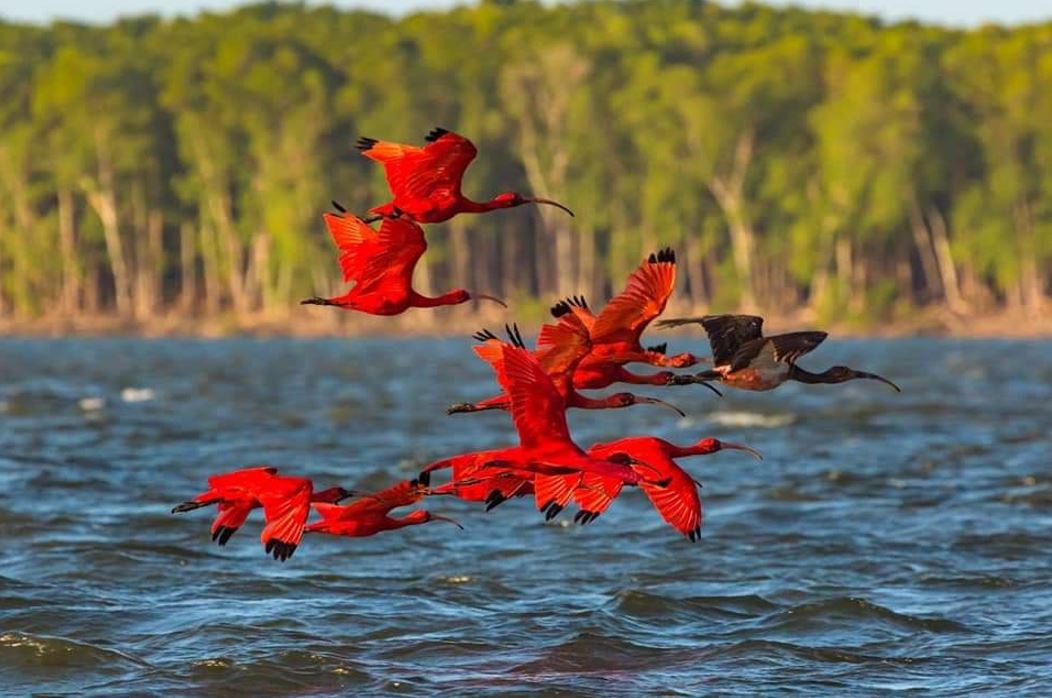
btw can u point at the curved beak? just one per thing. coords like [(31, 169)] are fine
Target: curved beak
[(439, 517), (711, 387), (486, 297), (882, 379), (537, 200), (741, 447), (656, 401)]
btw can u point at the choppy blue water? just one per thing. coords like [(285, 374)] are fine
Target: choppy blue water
[(887, 542)]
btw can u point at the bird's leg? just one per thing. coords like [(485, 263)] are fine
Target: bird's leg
[(189, 506), (317, 300), (468, 407)]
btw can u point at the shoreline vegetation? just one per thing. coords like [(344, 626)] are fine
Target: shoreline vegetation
[(168, 176), (454, 322)]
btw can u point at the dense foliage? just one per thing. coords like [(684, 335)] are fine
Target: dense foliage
[(793, 158)]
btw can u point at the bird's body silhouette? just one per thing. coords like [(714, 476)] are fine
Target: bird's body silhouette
[(560, 349), (489, 489), (426, 181), (370, 514), (546, 452), (743, 358), (380, 264), (285, 501), (677, 502), (615, 333)]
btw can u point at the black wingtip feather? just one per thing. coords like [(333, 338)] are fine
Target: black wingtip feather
[(659, 348), (483, 335), (435, 134), (561, 308), (364, 143), (514, 335), (494, 499)]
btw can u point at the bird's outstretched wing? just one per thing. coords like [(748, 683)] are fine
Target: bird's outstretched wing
[(243, 478), (537, 408), (790, 347), (625, 317), (432, 172), (678, 502), (728, 333), (562, 346), (286, 517), (595, 495), (232, 516), (376, 258)]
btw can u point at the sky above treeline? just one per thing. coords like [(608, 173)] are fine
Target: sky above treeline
[(948, 12)]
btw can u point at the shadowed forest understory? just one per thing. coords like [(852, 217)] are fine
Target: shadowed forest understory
[(811, 165)]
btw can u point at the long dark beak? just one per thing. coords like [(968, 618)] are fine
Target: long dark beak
[(439, 517), (550, 203), (711, 387), (486, 297), (655, 401), (741, 447), (882, 379)]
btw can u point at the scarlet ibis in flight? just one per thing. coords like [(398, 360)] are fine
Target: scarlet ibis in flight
[(560, 349), (371, 514), (677, 502), (546, 452), (285, 500), (426, 181), (616, 331), (491, 490), (743, 358), (381, 266)]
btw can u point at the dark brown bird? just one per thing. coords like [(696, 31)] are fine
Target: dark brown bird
[(743, 358)]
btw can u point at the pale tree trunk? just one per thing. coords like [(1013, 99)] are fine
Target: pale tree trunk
[(586, 268), (951, 286), (729, 192), (695, 268), (187, 269), (210, 263), (102, 198), (931, 284), (67, 240), (460, 254)]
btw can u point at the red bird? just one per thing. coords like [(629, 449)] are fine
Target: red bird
[(285, 501), (678, 502), (616, 332), (371, 514), (426, 181), (381, 266), (491, 490), (560, 349), (546, 452)]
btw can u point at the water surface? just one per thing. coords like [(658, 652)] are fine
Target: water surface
[(887, 542)]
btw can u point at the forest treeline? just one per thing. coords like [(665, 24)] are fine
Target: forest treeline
[(794, 159)]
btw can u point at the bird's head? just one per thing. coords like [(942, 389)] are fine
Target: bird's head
[(838, 374), (629, 399), (334, 495), (511, 199), (711, 445)]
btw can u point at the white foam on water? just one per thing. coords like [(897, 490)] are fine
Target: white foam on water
[(751, 419), (92, 404), (137, 394)]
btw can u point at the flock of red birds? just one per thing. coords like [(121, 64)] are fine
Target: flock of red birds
[(578, 350)]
